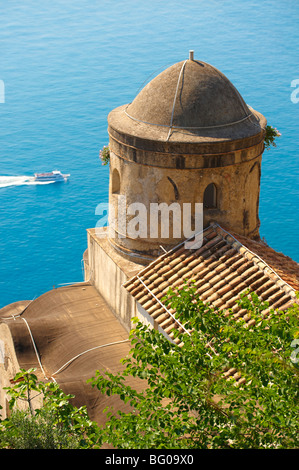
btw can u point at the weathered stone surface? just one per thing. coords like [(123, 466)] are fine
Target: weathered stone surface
[(193, 98), (188, 128)]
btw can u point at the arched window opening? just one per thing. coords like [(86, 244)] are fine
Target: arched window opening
[(115, 181), (210, 197)]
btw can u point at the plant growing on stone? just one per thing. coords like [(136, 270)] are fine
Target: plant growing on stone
[(105, 155), (270, 136)]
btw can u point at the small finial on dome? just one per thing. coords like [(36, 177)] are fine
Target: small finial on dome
[(191, 55)]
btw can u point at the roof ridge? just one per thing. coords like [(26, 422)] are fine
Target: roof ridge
[(257, 260)]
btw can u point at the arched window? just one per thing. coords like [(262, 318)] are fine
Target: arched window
[(210, 197), (115, 182)]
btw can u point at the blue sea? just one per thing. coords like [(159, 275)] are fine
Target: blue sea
[(65, 64)]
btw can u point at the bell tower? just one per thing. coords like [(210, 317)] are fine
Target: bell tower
[(187, 137)]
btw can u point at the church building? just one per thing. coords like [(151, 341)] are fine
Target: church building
[(188, 142)]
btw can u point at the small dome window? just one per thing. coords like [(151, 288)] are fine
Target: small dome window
[(210, 197), (115, 182)]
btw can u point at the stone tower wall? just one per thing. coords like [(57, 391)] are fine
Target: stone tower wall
[(235, 174)]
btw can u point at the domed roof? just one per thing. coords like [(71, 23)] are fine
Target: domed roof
[(188, 101)]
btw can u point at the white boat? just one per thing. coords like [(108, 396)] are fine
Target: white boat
[(52, 176)]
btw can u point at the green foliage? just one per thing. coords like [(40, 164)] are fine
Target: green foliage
[(270, 136), (188, 402), (56, 425), (105, 155)]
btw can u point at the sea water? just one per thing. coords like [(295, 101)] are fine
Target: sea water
[(65, 64)]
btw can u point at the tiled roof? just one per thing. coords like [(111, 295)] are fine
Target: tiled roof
[(283, 265), (222, 269)]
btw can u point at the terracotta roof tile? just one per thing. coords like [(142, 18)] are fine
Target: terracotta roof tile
[(283, 265), (222, 268)]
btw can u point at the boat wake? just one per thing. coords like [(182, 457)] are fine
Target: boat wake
[(6, 181)]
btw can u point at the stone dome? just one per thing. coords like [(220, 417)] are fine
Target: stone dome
[(191, 101)]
